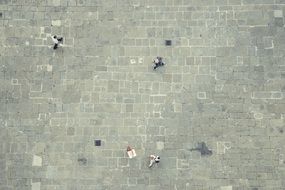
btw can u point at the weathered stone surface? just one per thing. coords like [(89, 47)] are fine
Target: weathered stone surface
[(223, 84), (36, 186), (37, 160)]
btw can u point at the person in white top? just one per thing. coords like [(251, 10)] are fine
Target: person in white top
[(56, 41), (153, 160)]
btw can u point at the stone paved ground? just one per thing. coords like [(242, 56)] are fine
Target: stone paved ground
[(223, 85)]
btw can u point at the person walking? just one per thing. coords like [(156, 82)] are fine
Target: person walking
[(153, 160), (157, 62), (56, 41)]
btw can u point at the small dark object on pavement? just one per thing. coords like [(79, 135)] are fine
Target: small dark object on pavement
[(97, 142), (168, 42)]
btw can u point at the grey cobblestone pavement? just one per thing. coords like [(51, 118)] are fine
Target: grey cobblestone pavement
[(215, 112)]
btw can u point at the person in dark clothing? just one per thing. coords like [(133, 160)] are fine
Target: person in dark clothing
[(157, 62), (56, 41)]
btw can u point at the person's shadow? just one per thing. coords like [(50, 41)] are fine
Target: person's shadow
[(203, 149)]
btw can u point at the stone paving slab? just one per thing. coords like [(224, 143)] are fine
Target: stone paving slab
[(214, 113)]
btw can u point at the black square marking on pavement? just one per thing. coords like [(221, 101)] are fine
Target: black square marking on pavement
[(168, 42), (97, 142), (1, 15)]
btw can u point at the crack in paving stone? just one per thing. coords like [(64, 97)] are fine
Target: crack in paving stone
[(203, 149)]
